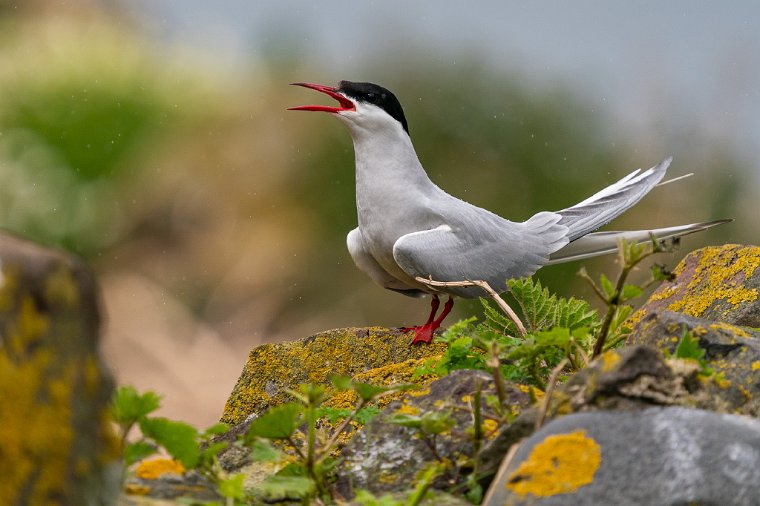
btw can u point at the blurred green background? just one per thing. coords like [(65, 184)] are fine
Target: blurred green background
[(217, 221)]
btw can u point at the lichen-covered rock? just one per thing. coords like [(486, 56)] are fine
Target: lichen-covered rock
[(732, 352), (272, 369), (664, 456), (384, 457), (56, 445), (717, 283), (166, 479)]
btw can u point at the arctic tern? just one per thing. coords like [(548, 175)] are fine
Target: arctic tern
[(410, 228)]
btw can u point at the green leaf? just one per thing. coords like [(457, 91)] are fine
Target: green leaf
[(279, 422), (341, 383), (216, 429), (405, 420), (128, 406), (137, 451), (212, 450), (436, 422), (263, 451), (631, 292), (334, 415), (278, 488), (688, 347), (661, 273), (232, 487), (178, 438), (607, 286), (367, 391), (366, 498)]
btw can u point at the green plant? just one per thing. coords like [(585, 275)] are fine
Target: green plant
[(615, 296), (194, 449), (297, 424), (556, 328), (688, 348)]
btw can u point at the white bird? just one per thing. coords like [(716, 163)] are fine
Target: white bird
[(410, 228)]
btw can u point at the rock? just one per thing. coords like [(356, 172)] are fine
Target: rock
[(715, 283), (385, 457), (732, 352), (658, 456), (56, 442), (271, 369)]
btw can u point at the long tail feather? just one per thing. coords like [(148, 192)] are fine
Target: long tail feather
[(601, 243), (609, 203)]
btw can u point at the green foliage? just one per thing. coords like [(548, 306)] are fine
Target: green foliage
[(557, 327), (297, 423), (178, 438), (279, 422), (128, 406), (689, 349), (194, 449), (76, 113), (334, 415)]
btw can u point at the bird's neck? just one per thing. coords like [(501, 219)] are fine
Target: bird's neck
[(386, 162)]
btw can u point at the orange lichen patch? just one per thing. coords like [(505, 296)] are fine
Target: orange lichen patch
[(152, 469), (560, 464), (609, 360), (135, 489)]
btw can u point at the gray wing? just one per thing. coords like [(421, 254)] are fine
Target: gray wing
[(367, 263), (480, 246)]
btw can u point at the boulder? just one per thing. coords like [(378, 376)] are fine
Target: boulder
[(272, 369), (385, 457), (717, 283), (732, 352), (665, 456), (56, 442)]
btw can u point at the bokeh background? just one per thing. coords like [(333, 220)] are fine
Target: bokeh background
[(151, 137)]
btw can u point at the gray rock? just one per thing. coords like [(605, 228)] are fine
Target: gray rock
[(719, 283), (56, 445), (656, 457), (384, 457), (732, 352)]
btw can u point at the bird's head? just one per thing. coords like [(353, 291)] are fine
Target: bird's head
[(361, 106)]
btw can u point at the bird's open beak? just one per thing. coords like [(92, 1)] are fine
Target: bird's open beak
[(345, 104)]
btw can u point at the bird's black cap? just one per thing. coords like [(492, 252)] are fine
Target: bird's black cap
[(376, 95)]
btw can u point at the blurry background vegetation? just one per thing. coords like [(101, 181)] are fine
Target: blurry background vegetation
[(217, 221)]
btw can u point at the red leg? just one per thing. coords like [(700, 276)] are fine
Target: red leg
[(433, 310), (424, 333)]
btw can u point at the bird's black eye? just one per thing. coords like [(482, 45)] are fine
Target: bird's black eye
[(370, 97)]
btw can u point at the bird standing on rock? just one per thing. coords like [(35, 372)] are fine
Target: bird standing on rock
[(409, 228)]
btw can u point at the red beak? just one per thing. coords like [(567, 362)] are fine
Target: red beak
[(345, 104)]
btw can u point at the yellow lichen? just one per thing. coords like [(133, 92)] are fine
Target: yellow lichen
[(560, 464), (152, 469), (714, 277), (756, 365), (732, 329), (609, 360), (407, 409), (489, 426), (61, 288), (272, 369), (718, 274), (135, 489)]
